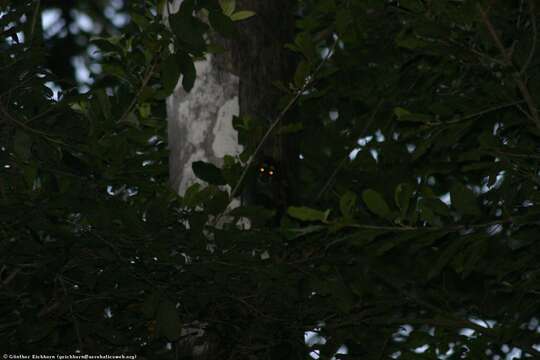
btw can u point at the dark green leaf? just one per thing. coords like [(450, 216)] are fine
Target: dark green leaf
[(347, 204), (227, 6), (188, 29), (402, 197), (307, 214), (222, 23), (168, 322), (242, 15), (464, 200), (170, 72), (375, 203), (187, 68), (446, 257), (208, 172), (22, 145)]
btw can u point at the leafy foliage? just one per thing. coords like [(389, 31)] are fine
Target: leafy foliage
[(414, 209)]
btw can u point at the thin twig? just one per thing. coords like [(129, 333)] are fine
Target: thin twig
[(344, 160), (72, 313), (10, 277), (520, 10), (458, 324), (453, 228), (34, 20), (449, 229), (479, 113), (522, 156), (145, 81), (508, 60), (486, 111), (445, 319), (254, 309), (278, 119), (535, 37), (385, 345), (5, 114)]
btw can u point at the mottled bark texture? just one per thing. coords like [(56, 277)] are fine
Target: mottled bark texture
[(237, 82), (200, 122)]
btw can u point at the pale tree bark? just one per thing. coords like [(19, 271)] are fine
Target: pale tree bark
[(238, 82), (200, 122)]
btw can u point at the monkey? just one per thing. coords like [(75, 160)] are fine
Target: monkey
[(267, 171), (270, 190)]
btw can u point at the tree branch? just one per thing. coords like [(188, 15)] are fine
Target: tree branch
[(35, 18), (145, 81), (6, 115), (535, 37), (344, 160), (508, 61), (479, 113)]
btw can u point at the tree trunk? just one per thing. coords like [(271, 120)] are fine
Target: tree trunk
[(260, 57), (239, 82)]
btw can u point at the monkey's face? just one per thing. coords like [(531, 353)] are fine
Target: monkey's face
[(267, 172), (270, 187)]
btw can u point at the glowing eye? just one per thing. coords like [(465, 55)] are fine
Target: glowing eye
[(262, 170), (270, 173)]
